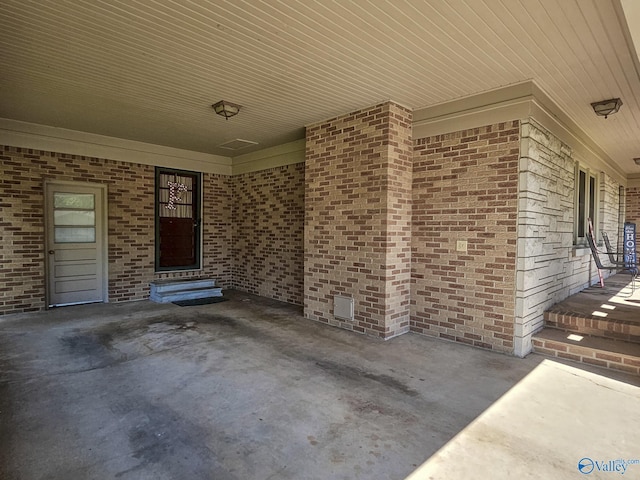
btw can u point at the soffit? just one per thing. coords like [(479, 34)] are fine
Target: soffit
[(150, 70)]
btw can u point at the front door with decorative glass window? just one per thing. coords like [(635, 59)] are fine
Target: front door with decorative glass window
[(177, 219)]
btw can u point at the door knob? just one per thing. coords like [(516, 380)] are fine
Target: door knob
[(51, 252)]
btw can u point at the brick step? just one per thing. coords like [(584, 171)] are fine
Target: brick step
[(603, 352), (167, 291), (594, 325)]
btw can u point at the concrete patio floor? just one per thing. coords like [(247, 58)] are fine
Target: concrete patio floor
[(248, 389)]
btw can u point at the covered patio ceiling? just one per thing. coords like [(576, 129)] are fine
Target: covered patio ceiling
[(150, 70)]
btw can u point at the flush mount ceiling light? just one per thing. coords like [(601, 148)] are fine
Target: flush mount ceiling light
[(637, 160), (226, 109), (607, 107)]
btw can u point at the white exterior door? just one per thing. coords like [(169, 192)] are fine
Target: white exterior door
[(76, 243)]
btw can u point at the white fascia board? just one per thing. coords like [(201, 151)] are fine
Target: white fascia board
[(501, 105), (477, 117), (634, 181), (42, 137), (273, 157)]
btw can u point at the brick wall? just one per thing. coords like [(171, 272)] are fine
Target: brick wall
[(357, 238), (217, 233), (632, 205), (130, 224), (465, 188), (268, 227)]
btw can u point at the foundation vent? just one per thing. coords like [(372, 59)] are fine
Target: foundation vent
[(343, 307)]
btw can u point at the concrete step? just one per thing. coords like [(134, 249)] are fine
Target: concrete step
[(598, 324), (171, 285), (190, 294), (166, 291), (603, 352)]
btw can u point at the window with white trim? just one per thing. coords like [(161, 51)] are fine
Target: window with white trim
[(586, 203)]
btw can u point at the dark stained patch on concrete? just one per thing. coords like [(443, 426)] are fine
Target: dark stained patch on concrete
[(162, 437), (351, 373), (102, 345), (93, 350), (87, 343), (91, 344)]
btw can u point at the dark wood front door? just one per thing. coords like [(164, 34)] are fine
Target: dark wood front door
[(177, 219)]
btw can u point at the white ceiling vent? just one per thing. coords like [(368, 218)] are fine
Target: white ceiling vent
[(237, 144)]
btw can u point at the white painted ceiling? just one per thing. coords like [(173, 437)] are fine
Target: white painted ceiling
[(149, 70)]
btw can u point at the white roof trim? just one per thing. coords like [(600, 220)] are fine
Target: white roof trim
[(51, 139)]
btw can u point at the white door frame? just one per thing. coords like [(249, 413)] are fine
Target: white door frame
[(104, 254)]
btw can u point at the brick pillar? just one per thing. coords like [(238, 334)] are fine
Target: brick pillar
[(358, 219)]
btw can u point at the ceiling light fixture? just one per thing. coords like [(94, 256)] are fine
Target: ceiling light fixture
[(226, 109), (607, 107), (637, 160)]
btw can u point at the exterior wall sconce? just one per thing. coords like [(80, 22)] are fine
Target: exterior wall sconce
[(226, 109), (607, 107)]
